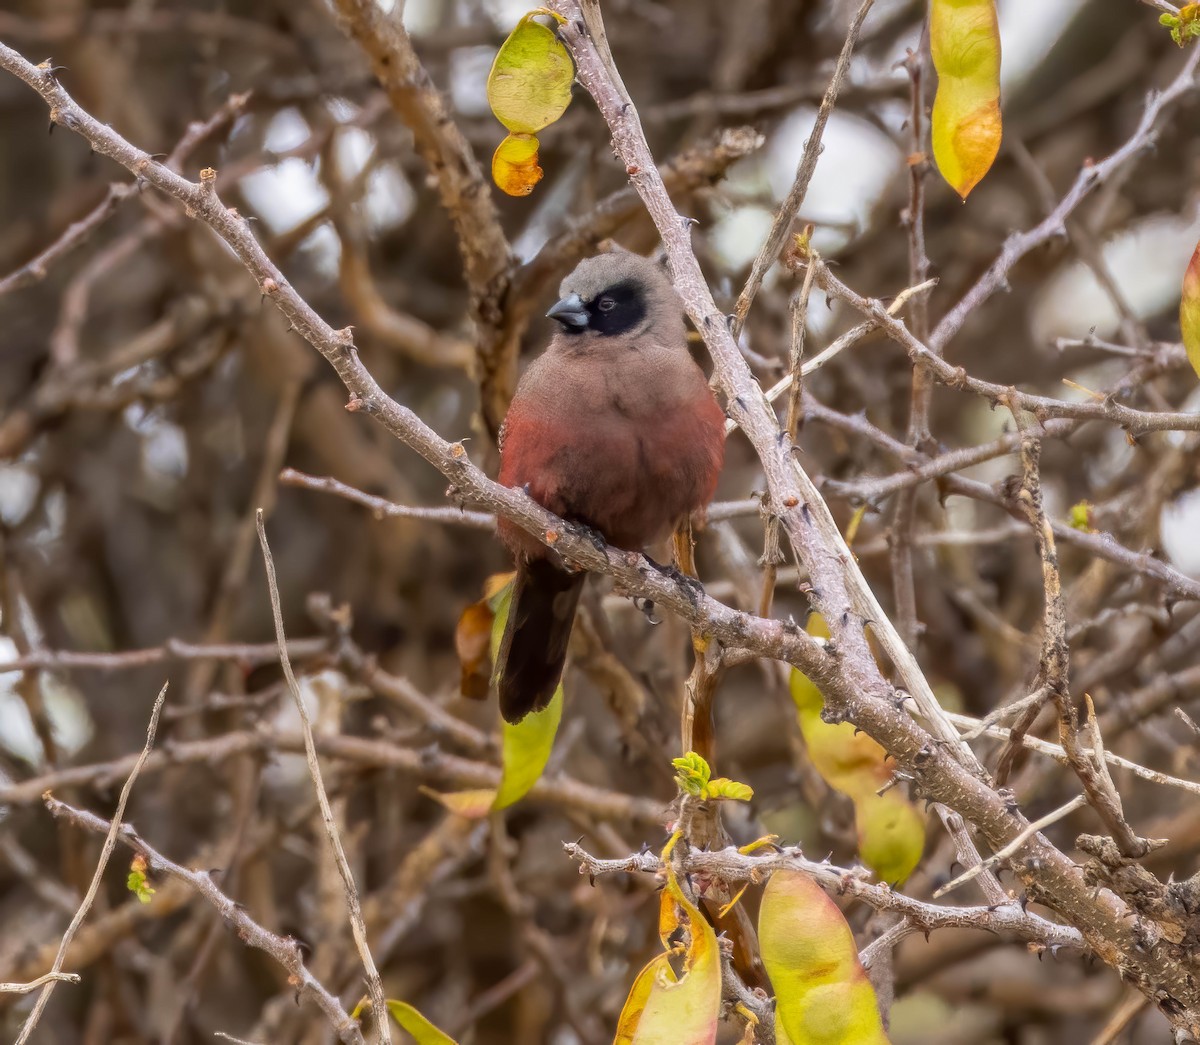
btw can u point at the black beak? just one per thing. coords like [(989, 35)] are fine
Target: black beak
[(570, 312)]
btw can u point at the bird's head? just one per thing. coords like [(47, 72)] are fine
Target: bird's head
[(618, 294)]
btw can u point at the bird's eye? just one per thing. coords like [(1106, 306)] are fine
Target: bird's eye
[(606, 304)]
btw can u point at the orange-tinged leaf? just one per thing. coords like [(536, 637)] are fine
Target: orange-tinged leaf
[(515, 164), (891, 835), (663, 1009), (1189, 310), (494, 586), (529, 85), (964, 39), (822, 994), (472, 637)]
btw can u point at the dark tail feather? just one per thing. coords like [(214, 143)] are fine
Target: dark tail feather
[(534, 646)]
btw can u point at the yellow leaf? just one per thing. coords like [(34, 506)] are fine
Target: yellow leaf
[(1189, 310), (758, 843), (529, 85), (848, 761), (733, 902), (822, 994), (663, 1009), (855, 522), (964, 39), (474, 805), (515, 164), (891, 835), (423, 1032)]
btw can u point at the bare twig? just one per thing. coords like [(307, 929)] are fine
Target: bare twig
[(918, 435), (249, 654), (382, 508), (1013, 847), (1054, 226), (430, 765), (460, 183), (75, 235), (1041, 407), (940, 765), (357, 925), (41, 981), (794, 200), (284, 950), (837, 346), (110, 841)]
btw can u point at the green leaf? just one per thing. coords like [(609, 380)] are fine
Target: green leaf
[(822, 994), (526, 746), (692, 773), (423, 1032), (526, 750), (1081, 516), (723, 787), (964, 39), (891, 835), (529, 86), (1184, 26), (137, 882)]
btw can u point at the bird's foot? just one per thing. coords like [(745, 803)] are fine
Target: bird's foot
[(692, 587), (590, 533)]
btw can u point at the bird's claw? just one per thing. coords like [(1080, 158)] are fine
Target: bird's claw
[(692, 587), (590, 533)]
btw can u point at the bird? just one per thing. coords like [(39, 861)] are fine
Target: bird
[(615, 429)]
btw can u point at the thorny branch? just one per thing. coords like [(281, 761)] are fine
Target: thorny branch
[(110, 841), (729, 864), (931, 753), (284, 950)]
